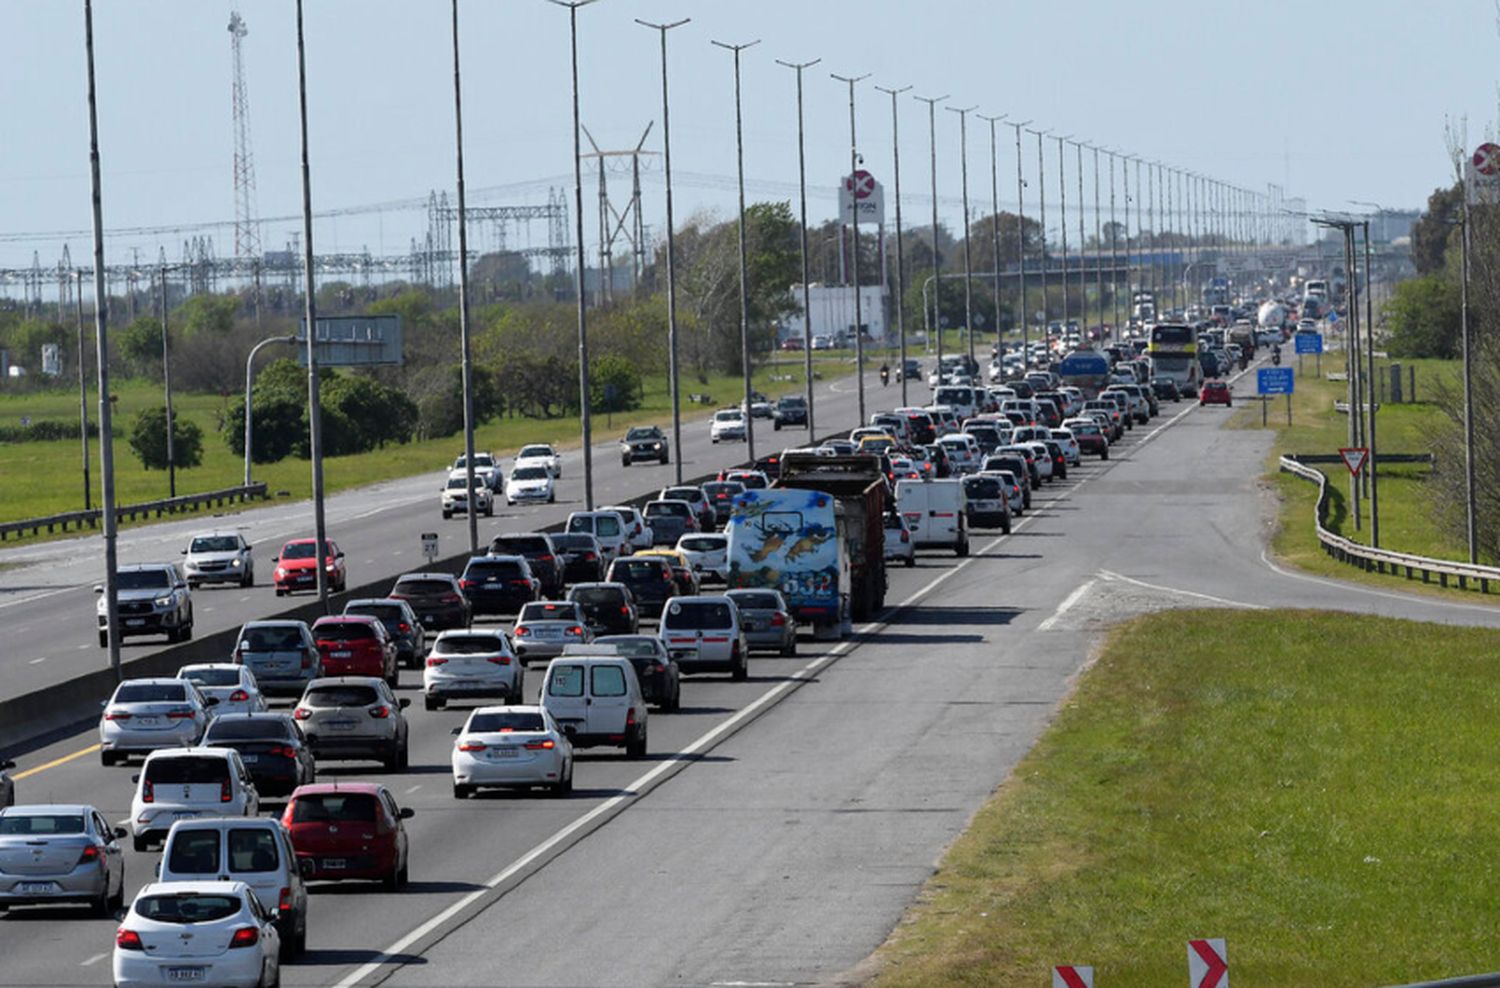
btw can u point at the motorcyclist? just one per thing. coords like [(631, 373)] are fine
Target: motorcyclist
[(1276, 355), (885, 374)]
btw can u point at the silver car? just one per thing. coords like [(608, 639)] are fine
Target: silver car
[(283, 655), (477, 663), (766, 620), (219, 557), (61, 853), (545, 627), (7, 784), (354, 717), (145, 715)]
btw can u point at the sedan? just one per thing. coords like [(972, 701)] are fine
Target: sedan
[(218, 557), (63, 853), (609, 608), (545, 627), (1214, 393), (514, 747), (766, 620), (898, 543), (198, 933), (297, 567), (540, 455), (272, 747), (728, 426), (144, 715), (232, 686), (530, 485)]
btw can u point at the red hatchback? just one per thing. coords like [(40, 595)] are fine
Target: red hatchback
[(1214, 393), (297, 567), (356, 645), (349, 831)]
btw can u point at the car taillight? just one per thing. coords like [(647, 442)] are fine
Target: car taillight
[(778, 620), (499, 660), (90, 853), (116, 715), (468, 584), (301, 713), (451, 598), (666, 577), (245, 936), (148, 792), (624, 609), (308, 654), (180, 714), (238, 696), (381, 712), (433, 662), (472, 746), (630, 718), (589, 557), (545, 745), (575, 630), (545, 559), (403, 627), (734, 651), (128, 939), (284, 904), (522, 631), (282, 751)]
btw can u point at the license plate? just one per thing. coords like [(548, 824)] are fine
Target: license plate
[(493, 586), (134, 622), (35, 888), (341, 725), (549, 632), (249, 759), (341, 655), (503, 753), (184, 814), (334, 863), (186, 973), (146, 721)]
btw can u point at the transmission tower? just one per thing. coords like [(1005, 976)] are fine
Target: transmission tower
[(246, 236)]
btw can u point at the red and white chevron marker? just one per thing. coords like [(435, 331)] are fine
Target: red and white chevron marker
[(1208, 963), (1071, 976)]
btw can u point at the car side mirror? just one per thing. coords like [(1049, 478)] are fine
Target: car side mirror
[(212, 701), (338, 555), (276, 559), (407, 813), (7, 764), (184, 552), (157, 870), (119, 833), (136, 777), (98, 588), (569, 731), (305, 867), (403, 703), (456, 731)]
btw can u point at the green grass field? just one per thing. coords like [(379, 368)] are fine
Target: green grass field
[(45, 478), (1307, 785)]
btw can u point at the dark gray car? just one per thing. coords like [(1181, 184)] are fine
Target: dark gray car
[(401, 623), (670, 520), (766, 620)]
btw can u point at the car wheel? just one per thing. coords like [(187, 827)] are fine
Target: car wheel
[(106, 758), (665, 460), (187, 632), (624, 462), (462, 791), (103, 639), (489, 511), (447, 515), (962, 549), (403, 757), (141, 844), (790, 648), (392, 759), (99, 908), (392, 882), (1104, 454), (248, 580), (636, 746), (432, 703), (117, 901), (551, 498), (1005, 525), (741, 672), (911, 560)]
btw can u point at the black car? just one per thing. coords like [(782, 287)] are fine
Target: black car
[(499, 584), (437, 599), (650, 581), (941, 465), (401, 624), (792, 410), (1059, 460), (646, 442), (1165, 390), (721, 494), (1017, 466), (661, 680), (609, 608), (540, 554), (581, 556), (271, 746)]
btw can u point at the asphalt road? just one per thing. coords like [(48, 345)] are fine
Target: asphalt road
[(780, 825)]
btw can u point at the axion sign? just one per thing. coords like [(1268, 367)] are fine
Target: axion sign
[(1486, 159), (868, 195), (863, 184), (1482, 175)]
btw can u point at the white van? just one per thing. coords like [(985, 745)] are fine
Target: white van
[(593, 694), (606, 526), (178, 783), (959, 397), (253, 850), (936, 512), (703, 634)]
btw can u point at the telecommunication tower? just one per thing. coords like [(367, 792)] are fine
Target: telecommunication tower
[(246, 235)]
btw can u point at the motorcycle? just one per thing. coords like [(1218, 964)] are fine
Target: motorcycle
[(1276, 356)]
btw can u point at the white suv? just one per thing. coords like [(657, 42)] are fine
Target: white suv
[(218, 557), (456, 495), (176, 784)]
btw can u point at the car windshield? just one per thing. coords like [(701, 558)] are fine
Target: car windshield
[(343, 631), (726, 416), (187, 907), (528, 451), (274, 728), (212, 675), (529, 473), (214, 543), (694, 615), (468, 645), (549, 611), (504, 723), (272, 638), (334, 807), (186, 770), (703, 543), (302, 550), (635, 434), (142, 579), (150, 693), (759, 601), (341, 696), (40, 824)]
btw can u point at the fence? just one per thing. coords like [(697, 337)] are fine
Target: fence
[(129, 512)]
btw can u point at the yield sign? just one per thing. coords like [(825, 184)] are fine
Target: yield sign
[(1070, 976), (1208, 964), (864, 184), (1487, 159), (1354, 458)]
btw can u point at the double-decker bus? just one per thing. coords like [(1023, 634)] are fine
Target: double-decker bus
[(1174, 355)]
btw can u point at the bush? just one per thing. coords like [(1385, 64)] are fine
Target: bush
[(1424, 318), (614, 384), (148, 437), (45, 432)]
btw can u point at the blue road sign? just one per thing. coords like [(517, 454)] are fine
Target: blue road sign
[(1309, 342), (1275, 381)]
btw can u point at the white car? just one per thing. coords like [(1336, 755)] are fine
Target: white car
[(511, 747), (198, 933), (898, 542), (1071, 452), (218, 557), (707, 553), (531, 484), (471, 663), (233, 686), (728, 426), (540, 455), (637, 533), (144, 715), (487, 470), (455, 495), (179, 783)]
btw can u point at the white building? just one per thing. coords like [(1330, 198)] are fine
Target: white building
[(831, 308)]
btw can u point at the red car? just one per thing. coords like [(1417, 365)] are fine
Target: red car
[(1214, 393), (297, 567), (356, 645), (349, 830)]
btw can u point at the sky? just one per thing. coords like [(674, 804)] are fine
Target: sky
[(1336, 100)]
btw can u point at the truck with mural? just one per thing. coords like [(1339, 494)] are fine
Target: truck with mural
[(788, 540)]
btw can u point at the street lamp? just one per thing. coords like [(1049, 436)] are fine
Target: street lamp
[(1041, 183), (1020, 248), (166, 378), (465, 349), (900, 249), (859, 329), (995, 229), (937, 285), (249, 380), (1062, 186), (963, 153)]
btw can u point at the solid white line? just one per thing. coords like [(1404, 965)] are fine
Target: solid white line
[(40, 596), (414, 788), (1065, 606), (37, 661), (93, 960), (1106, 574)]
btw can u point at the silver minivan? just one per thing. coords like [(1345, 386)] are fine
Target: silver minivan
[(704, 635), (253, 850), (593, 694), (283, 655)]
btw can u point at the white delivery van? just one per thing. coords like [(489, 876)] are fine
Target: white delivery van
[(935, 511), (593, 694)]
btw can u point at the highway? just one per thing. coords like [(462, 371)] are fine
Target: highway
[(780, 826)]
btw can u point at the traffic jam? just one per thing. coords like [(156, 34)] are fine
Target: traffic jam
[(260, 777)]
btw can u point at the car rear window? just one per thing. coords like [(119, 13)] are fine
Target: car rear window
[(597, 595), (607, 525), (493, 571), (40, 824), (205, 676), (676, 509), (632, 646), (608, 680), (187, 907), (343, 631), (573, 541), (982, 487), (549, 611), (723, 490), (150, 693), (682, 494), (636, 570), (187, 771), (194, 852), (693, 615), (253, 849), (565, 681), (767, 601), (520, 545), (271, 639), (704, 543), (468, 645), (423, 587), (334, 807), (274, 728), (505, 723), (341, 696)]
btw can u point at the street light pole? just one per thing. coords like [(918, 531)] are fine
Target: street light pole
[(963, 153), (249, 380), (859, 329), (1083, 275), (1098, 244), (666, 141), (900, 248), (584, 401), (1062, 188), (83, 391), (166, 378), (937, 281), (465, 349), (995, 230), (1021, 249), (739, 147), (1468, 341), (1114, 249), (1041, 184)]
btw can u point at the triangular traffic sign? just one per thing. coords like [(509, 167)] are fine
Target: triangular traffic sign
[(1354, 458)]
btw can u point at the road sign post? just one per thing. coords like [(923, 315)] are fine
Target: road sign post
[(1354, 458), (1072, 976), (430, 546), (1208, 963), (1276, 381)]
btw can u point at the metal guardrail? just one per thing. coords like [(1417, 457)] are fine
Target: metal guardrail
[(129, 512), (1384, 560), (1468, 981)]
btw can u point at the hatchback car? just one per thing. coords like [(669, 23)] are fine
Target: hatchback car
[(219, 557), (283, 655), (728, 426), (189, 782), (655, 669), (271, 746), (498, 584), (232, 686), (349, 717), (297, 567), (670, 520), (582, 556), (766, 620), (437, 599), (545, 627), (145, 715), (683, 577), (511, 747), (350, 831), (470, 665), (540, 455), (202, 932), (609, 608), (721, 494), (530, 485), (898, 541), (60, 853), (650, 581), (401, 626), (708, 554), (1089, 436), (703, 634), (1214, 393), (355, 646)]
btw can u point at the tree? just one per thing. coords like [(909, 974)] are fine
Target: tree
[(213, 314), (279, 429), (139, 345), (614, 384), (148, 437), (1436, 229), (1423, 316)]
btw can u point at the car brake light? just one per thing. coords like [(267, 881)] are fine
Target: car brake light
[(403, 627), (179, 714), (285, 902), (148, 792), (545, 745), (575, 630), (301, 713), (778, 620), (282, 751), (245, 936), (468, 584), (589, 557), (90, 853), (624, 609), (451, 598), (500, 660), (630, 717), (128, 939), (472, 746), (381, 712), (238, 696), (226, 793), (546, 559), (433, 662), (116, 715), (522, 631)]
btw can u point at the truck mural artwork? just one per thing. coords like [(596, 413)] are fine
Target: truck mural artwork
[(787, 540)]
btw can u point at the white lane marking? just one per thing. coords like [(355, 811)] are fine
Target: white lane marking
[(1106, 574), (245, 597), (1405, 598), (36, 597), (93, 960), (39, 660), (1067, 605), (414, 788)]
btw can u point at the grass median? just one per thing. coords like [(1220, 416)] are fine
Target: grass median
[(1313, 792)]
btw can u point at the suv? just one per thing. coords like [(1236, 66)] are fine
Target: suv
[(401, 624), (354, 717), (218, 557), (283, 655), (468, 664), (437, 599), (486, 471), (456, 495), (649, 579), (695, 497), (608, 608), (355, 646), (498, 584), (792, 410), (582, 557), (670, 520), (644, 442), (153, 599), (540, 555)]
